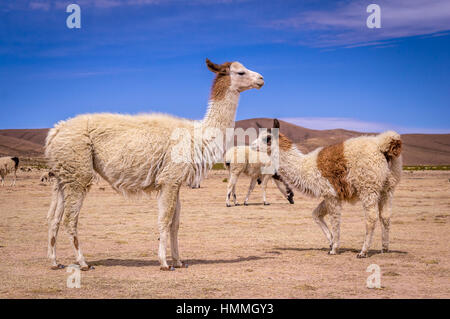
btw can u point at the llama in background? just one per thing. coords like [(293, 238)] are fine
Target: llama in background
[(242, 159), (46, 176), (8, 165), (134, 154), (365, 168)]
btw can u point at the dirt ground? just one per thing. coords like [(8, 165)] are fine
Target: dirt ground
[(258, 251)]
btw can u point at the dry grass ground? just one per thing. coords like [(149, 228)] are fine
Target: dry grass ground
[(257, 251)]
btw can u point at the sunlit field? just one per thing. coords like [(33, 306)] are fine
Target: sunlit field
[(274, 251)]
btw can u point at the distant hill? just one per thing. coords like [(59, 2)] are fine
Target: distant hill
[(419, 149), (22, 142)]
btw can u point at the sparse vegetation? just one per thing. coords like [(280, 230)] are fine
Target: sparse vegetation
[(391, 274), (426, 167), (431, 262), (306, 287), (218, 166)]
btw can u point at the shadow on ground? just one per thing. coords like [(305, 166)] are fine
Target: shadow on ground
[(143, 263), (262, 204), (341, 250)]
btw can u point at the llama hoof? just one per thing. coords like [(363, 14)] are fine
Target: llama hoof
[(183, 265), (332, 252), (266, 204), (291, 201), (168, 268), (362, 255), (86, 268), (384, 250), (228, 205), (245, 204), (59, 266)]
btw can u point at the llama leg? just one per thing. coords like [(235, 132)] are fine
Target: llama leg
[(318, 215), (385, 211), (284, 189), (74, 195), (281, 187), (3, 176), (234, 195), (177, 263), (14, 178), (264, 187), (250, 190), (54, 216), (167, 202), (334, 209), (230, 189), (371, 220)]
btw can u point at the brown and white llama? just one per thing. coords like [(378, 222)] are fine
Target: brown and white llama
[(138, 155), (365, 168)]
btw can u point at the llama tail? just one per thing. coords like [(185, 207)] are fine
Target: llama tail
[(390, 144), (51, 135)]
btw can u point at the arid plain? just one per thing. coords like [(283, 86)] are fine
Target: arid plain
[(257, 251)]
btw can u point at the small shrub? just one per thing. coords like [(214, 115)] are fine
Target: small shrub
[(426, 167), (218, 166)]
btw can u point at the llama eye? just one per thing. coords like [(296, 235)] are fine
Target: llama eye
[(241, 73)]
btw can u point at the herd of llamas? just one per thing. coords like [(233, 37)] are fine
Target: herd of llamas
[(136, 155)]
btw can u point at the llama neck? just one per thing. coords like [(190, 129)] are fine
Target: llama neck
[(300, 170), (221, 113), (220, 116), (291, 162)]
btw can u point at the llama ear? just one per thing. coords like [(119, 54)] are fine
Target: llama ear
[(212, 66), (223, 69), (276, 123)]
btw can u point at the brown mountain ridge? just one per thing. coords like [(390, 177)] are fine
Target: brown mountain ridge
[(419, 149)]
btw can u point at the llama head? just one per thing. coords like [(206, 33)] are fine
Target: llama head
[(265, 138), (271, 136), (232, 76)]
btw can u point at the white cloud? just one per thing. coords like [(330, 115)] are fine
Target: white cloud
[(329, 123), (347, 24), (45, 5), (40, 5)]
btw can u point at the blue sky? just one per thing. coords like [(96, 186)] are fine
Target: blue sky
[(323, 67)]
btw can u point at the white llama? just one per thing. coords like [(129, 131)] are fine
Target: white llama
[(365, 168), (242, 159), (8, 165), (134, 155)]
